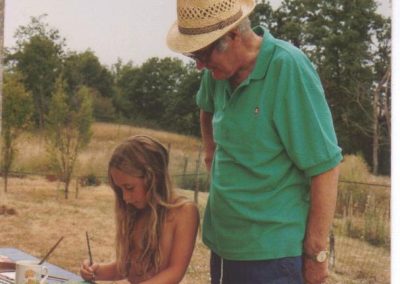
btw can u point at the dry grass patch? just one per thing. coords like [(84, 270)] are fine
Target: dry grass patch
[(32, 157), (43, 216)]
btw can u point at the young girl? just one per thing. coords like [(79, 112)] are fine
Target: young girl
[(156, 230)]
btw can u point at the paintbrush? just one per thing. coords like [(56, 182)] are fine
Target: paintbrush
[(50, 251), (89, 250), (90, 256)]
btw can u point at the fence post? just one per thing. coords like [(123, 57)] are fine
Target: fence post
[(196, 190), (185, 164), (331, 250), (77, 180)]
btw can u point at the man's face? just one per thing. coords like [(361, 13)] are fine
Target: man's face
[(218, 57)]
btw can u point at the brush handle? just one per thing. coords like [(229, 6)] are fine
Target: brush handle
[(90, 252), (50, 251)]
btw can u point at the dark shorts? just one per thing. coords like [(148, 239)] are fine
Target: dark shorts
[(286, 270)]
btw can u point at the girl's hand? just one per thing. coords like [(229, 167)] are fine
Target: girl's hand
[(88, 272)]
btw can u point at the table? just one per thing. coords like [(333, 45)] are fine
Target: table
[(55, 271)]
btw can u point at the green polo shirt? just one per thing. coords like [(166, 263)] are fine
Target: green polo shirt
[(272, 134)]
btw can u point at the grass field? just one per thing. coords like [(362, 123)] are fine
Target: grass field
[(42, 216), (38, 214)]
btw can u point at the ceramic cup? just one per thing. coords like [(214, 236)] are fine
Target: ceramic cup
[(30, 272)]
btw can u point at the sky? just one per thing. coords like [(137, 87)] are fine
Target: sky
[(128, 29)]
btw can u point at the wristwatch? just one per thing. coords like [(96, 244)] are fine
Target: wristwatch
[(320, 256)]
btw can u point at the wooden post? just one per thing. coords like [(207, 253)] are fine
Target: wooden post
[(2, 6), (196, 189), (77, 180), (331, 250), (2, 11), (185, 164)]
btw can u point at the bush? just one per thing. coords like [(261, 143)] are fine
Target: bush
[(90, 180)]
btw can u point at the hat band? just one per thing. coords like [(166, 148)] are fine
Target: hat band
[(211, 28)]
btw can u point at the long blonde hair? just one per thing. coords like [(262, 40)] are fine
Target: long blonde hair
[(144, 157)]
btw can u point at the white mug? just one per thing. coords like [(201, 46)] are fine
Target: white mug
[(30, 272)]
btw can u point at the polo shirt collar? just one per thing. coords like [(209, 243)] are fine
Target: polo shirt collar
[(262, 61), (264, 55)]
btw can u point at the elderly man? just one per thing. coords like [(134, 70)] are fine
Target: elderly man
[(269, 144)]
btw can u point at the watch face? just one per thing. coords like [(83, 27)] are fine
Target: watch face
[(322, 256)]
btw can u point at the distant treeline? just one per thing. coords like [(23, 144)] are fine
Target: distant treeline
[(348, 41)]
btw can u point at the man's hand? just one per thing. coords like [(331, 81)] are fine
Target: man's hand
[(314, 272)]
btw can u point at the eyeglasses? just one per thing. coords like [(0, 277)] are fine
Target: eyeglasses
[(203, 55)]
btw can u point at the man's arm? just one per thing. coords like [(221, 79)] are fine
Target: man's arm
[(320, 217), (207, 136)]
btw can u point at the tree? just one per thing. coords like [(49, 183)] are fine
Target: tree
[(182, 114), (68, 128), (38, 57), (84, 69), (160, 93), (348, 43), (1, 55), (17, 113), (148, 88), (262, 15), (125, 78)]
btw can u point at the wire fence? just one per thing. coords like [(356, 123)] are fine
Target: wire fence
[(359, 243)]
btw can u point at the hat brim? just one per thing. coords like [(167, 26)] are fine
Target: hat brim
[(183, 43)]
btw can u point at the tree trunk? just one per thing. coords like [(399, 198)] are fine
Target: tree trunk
[(375, 129), (2, 4), (5, 181), (66, 190), (379, 104)]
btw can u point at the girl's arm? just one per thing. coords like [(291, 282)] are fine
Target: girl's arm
[(103, 272), (187, 222)]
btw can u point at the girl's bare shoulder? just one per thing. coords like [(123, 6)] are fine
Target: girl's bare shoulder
[(186, 210)]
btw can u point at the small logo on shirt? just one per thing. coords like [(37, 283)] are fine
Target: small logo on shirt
[(256, 110)]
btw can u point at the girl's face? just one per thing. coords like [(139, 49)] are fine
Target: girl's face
[(133, 188)]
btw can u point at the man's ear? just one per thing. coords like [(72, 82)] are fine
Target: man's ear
[(234, 33)]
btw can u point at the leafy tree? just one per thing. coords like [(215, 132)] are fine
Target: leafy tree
[(182, 114), (149, 88), (17, 113), (38, 57), (68, 128), (160, 93), (262, 15), (85, 69), (382, 97), (125, 78), (345, 40)]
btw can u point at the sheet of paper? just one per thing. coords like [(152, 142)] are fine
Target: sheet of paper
[(9, 274)]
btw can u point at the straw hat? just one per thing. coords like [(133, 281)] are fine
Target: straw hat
[(200, 22)]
